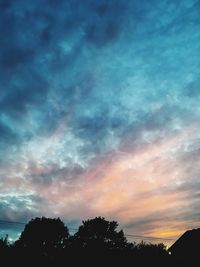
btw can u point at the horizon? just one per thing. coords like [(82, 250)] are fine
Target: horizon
[(99, 113), (132, 238)]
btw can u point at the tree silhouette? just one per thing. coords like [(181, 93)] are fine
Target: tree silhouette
[(156, 254), (98, 234), (46, 242), (149, 249), (4, 244), (43, 234)]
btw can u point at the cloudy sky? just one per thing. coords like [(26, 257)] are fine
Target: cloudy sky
[(100, 113)]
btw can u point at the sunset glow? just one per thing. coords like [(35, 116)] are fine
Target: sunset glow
[(100, 114)]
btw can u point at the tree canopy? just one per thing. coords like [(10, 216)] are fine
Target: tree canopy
[(46, 240), (44, 234), (99, 233), (4, 243)]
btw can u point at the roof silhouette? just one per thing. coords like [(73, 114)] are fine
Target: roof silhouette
[(187, 245)]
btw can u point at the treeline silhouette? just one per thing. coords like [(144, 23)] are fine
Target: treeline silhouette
[(46, 241)]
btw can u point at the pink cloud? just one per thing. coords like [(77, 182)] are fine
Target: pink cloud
[(128, 186)]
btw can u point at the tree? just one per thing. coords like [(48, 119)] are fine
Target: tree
[(149, 250), (99, 234), (43, 234), (4, 244)]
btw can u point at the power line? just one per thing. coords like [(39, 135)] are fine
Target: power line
[(74, 229), (11, 222), (149, 237)]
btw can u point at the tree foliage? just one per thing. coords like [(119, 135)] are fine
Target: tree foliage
[(99, 233), (4, 243), (44, 234), (46, 240)]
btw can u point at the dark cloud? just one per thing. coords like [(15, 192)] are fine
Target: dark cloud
[(6, 134), (5, 4), (53, 174), (90, 126), (19, 206), (13, 57), (36, 27), (32, 92), (46, 34), (99, 35), (105, 27), (193, 89)]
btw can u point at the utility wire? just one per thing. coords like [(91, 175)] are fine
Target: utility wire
[(11, 222), (4, 222), (149, 237)]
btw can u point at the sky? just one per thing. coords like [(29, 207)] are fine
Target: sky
[(100, 113)]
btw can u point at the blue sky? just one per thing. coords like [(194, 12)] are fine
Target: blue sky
[(99, 112)]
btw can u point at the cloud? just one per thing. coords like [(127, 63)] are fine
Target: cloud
[(192, 89), (140, 188), (18, 100), (6, 134), (13, 57), (100, 111)]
